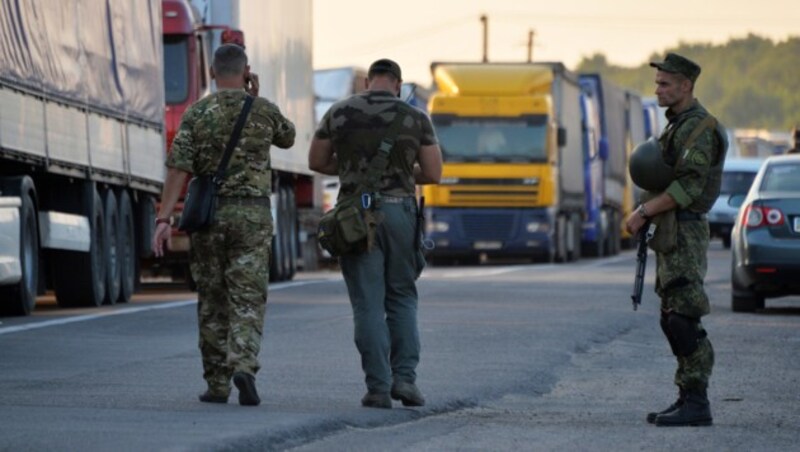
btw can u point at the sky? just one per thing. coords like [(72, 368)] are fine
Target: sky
[(417, 32)]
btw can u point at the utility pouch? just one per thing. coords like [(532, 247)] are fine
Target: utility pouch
[(198, 206), (665, 238), (343, 230)]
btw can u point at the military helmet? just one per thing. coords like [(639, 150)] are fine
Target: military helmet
[(647, 167)]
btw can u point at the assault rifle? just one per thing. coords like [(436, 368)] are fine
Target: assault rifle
[(645, 234)]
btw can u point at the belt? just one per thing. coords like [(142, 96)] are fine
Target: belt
[(688, 215), (262, 201)]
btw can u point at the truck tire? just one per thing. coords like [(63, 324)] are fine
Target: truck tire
[(560, 239), (20, 298), (294, 241), (276, 256), (80, 278), (111, 258), (126, 247), (575, 237)]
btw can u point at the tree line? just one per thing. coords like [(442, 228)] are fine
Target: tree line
[(749, 82)]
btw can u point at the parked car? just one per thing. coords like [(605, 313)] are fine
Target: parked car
[(766, 237), (737, 177)]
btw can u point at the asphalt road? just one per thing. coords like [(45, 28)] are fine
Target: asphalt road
[(515, 357)]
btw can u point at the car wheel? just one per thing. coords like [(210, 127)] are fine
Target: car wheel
[(747, 303)]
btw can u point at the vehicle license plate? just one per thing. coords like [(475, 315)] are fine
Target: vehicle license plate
[(487, 245), (796, 224)]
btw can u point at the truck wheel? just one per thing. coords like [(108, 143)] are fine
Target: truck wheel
[(602, 233), (294, 241), (126, 247), (726, 241), (80, 278), (561, 239), (574, 238), (112, 259), (286, 236), (276, 256), (20, 298)]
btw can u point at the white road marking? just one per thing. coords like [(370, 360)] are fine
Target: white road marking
[(138, 309)]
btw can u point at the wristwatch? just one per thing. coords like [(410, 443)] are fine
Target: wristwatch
[(642, 211)]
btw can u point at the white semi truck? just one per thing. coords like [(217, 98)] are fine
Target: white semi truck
[(81, 148)]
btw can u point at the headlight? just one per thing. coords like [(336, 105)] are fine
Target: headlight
[(438, 226), (535, 226)]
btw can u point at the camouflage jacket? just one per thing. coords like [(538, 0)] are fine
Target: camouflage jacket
[(698, 170), (206, 128), (356, 127)]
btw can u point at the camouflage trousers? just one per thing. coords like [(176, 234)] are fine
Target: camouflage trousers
[(679, 283), (230, 263)]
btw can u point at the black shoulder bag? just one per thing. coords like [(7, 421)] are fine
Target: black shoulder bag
[(198, 206)]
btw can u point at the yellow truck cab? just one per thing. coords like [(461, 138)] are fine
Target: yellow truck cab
[(512, 182)]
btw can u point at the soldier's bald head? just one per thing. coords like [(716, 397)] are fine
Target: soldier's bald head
[(229, 61)]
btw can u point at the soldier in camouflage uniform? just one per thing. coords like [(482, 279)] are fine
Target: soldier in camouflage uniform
[(230, 260), (680, 272), (381, 281)]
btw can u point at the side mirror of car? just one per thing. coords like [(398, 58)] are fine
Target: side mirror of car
[(736, 200)]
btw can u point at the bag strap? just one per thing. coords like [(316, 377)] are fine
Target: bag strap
[(708, 122), (380, 161), (237, 131)]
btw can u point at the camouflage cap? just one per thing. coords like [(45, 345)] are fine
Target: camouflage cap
[(385, 66), (677, 64)]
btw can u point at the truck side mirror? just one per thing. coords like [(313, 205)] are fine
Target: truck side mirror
[(603, 148), (562, 137)]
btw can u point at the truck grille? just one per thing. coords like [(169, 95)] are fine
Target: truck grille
[(487, 227), (495, 197)]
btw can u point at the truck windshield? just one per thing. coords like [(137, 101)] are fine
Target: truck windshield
[(479, 139), (176, 69)]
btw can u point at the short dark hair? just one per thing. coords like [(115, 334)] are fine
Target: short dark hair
[(385, 66), (229, 60)]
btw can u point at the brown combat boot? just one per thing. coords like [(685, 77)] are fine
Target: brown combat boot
[(694, 412), (376, 400), (407, 393)]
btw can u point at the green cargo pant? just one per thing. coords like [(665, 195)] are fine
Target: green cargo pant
[(383, 295), (230, 263), (679, 283)]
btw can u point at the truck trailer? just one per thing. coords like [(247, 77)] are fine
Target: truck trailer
[(277, 37), (512, 181), (81, 148), (612, 108)]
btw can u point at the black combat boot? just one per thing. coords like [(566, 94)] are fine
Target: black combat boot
[(695, 411), (651, 417)]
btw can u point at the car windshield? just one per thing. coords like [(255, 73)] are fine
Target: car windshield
[(480, 139), (782, 177), (176, 69), (736, 182)]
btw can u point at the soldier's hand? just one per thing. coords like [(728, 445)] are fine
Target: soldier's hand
[(252, 84), (634, 222), (160, 236)]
